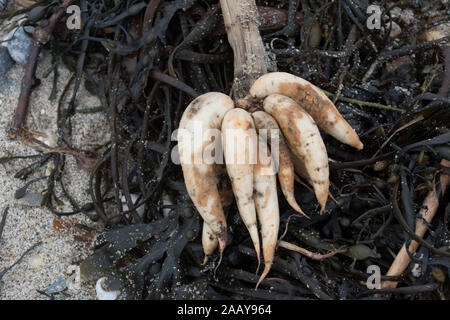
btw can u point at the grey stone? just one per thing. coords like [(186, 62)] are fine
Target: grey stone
[(5, 60), (3, 5), (18, 43)]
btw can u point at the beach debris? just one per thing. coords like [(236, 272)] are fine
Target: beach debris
[(56, 287), (3, 221), (31, 199), (6, 61), (102, 290), (3, 5), (299, 109), (18, 41)]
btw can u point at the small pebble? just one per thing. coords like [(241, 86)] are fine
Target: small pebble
[(380, 165), (438, 275), (56, 287), (18, 44), (395, 30), (407, 16), (36, 261)]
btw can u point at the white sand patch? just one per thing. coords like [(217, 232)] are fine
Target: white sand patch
[(25, 226)]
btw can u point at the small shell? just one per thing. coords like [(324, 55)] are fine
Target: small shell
[(416, 270), (102, 294)]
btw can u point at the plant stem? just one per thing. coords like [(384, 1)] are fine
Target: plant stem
[(241, 23), (363, 103)]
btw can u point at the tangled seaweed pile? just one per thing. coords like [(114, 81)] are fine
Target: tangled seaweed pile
[(147, 60)]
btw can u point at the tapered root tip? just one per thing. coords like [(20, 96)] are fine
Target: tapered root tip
[(359, 145), (352, 139), (218, 264), (264, 274), (304, 214), (296, 207), (205, 261), (222, 243), (323, 202), (321, 191), (255, 239), (258, 255)]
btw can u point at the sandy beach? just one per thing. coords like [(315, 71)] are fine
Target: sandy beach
[(62, 245)]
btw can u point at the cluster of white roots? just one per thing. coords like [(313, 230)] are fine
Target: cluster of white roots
[(294, 110)]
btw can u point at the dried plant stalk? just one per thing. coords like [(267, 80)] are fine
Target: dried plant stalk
[(307, 253), (430, 206), (241, 23), (40, 38)]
